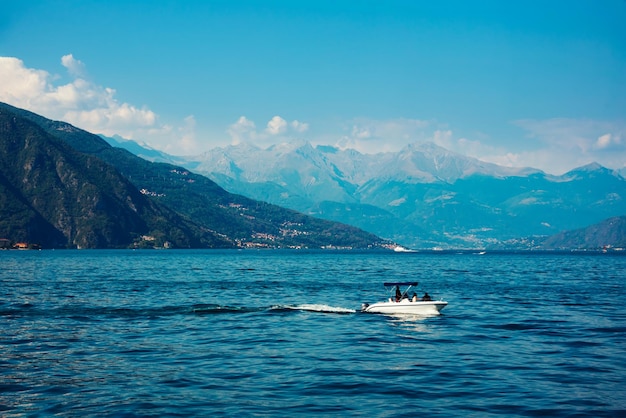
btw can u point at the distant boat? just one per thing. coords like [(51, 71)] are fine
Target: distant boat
[(401, 249)]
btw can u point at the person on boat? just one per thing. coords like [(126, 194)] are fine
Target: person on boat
[(414, 298), (398, 294), (426, 296)]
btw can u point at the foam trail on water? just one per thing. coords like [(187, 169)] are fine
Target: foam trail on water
[(321, 308)]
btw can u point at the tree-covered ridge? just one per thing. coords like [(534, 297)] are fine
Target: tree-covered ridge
[(610, 233), (63, 187), (58, 197)]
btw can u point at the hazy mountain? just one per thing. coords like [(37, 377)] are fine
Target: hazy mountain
[(143, 150), (421, 196), (610, 233), (134, 197), (303, 167)]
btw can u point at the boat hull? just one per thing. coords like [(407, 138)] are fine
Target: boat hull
[(406, 307)]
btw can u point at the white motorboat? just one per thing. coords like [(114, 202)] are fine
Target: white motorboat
[(403, 303), (401, 249)]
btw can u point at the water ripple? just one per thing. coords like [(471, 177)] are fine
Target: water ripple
[(196, 333)]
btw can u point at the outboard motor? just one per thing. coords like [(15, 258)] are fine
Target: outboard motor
[(364, 306)]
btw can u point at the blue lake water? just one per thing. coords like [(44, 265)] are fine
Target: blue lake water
[(279, 333)]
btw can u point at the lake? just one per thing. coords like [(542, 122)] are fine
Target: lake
[(279, 333)]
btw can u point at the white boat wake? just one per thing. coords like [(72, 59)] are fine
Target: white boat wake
[(320, 308)]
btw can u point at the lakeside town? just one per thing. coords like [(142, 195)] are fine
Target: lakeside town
[(7, 244)]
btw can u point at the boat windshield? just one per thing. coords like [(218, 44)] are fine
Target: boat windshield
[(400, 294), (387, 284)]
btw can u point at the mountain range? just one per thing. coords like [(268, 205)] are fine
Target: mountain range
[(421, 196), (608, 234), (63, 187)]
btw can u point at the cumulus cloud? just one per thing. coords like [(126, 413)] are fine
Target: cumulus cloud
[(362, 132), (608, 141), (603, 141), (299, 127), (276, 130), (277, 126), (20, 85), (242, 130), (82, 103), (554, 145), (74, 66)]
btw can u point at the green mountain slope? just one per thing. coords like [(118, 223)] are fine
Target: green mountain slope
[(54, 196)]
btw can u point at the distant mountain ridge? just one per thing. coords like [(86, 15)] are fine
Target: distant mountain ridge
[(421, 196), (62, 187), (608, 234), (423, 163)]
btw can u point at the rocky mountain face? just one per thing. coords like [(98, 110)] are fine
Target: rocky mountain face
[(63, 187), (421, 196)]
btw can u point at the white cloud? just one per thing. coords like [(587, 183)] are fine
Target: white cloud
[(276, 130), (608, 142), (85, 104), (187, 135), (361, 132), (444, 138), (19, 85), (277, 126), (299, 127), (553, 145), (74, 66), (241, 131), (603, 141)]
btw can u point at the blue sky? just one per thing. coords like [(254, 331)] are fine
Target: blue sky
[(518, 83)]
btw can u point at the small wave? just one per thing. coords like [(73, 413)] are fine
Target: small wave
[(319, 308), (86, 313), (221, 309)]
